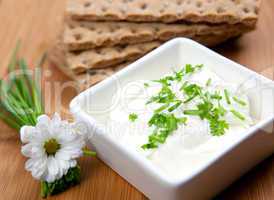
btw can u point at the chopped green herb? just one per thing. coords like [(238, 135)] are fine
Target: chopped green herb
[(162, 108), (208, 107), (178, 75), (165, 81), (175, 106), (190, 98), (208, 82), (239, 101), (189, 68), (192, 112), (218, 127), (183, 86), (216, 95), (237, 114), (205, 109), (219, 111), (146, 85), (164, 125), (227, 96), (192, 89), (165, 96), (199, 66), (132, 117), (182, 120)]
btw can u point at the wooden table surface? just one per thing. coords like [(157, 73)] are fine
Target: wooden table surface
[(37, 23)]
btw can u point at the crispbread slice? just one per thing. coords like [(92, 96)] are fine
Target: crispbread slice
[(101, 58), (78, 62), (86, 35), (93, 76), (211, 11)]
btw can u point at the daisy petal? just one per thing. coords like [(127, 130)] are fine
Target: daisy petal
[(26, 133), (43, 120), (26, 150)]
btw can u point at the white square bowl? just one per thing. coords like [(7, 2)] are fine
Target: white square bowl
[(252, 146)]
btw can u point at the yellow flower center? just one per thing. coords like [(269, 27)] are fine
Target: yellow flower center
[(51, 146)]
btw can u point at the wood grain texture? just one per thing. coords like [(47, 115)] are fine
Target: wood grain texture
[(37, 24)]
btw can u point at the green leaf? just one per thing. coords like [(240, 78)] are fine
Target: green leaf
[(20, 103), (13, 59), (218, 127), (70, 179)]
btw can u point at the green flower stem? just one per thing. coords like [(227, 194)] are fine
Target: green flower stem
[(20, 95), (88, 152)]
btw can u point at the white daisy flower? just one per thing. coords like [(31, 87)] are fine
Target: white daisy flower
[(52, 147)]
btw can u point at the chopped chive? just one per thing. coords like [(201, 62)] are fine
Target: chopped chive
[(132, 117), (146, 85), (161, 108), (192, 112), (183, 86), (216, 96), (237, 114), (175, 106), (199, 66), (189, 68), (182, 120), (190, 98), (227, 96), (208, 82), (239, 101)]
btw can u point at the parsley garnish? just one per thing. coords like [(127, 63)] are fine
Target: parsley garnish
[(164, 96), (206, 110), (217, 126), (208, 107), (132, 117), (164, 125), (189, 69)]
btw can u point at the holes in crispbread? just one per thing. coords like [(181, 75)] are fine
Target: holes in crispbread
[(199, 4), (220, 10), (91, 28), (246, 10), (104, 9), (87, 4), (71, 26), (133, 30), (179, 2), (143, 6), (112, 29), (120, 49), (78, 36)]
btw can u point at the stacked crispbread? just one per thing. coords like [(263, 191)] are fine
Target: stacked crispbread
[(101, 37)]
